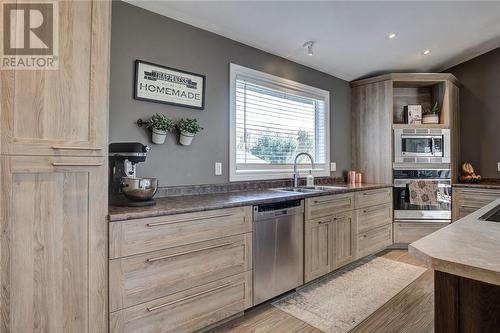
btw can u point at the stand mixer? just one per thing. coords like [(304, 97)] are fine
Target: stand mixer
[(125, 189)]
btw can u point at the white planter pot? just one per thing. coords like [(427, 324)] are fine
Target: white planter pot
[(158, 136), (185, 138)]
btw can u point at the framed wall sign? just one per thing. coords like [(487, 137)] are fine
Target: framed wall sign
[(160, 84)]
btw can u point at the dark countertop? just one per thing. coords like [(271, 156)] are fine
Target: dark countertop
[(493, 184), (195, 203)]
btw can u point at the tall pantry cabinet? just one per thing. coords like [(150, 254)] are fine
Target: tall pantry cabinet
[(53, 198)]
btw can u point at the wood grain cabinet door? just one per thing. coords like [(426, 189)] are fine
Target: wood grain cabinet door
[(345, 238), (53, 273), (318, 244), (63, 111)]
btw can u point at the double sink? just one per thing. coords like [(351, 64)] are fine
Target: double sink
[(311, 189)]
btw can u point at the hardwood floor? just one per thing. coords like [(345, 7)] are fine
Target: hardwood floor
[(410, 311)]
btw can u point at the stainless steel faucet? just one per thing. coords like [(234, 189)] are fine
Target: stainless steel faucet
[(295, 173)]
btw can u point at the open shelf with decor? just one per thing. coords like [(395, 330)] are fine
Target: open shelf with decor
[(428, 96)]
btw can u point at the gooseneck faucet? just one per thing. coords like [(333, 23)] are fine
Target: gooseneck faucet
[(295, 173)]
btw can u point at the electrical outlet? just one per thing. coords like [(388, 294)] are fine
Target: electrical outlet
[(218, 168), (333, 166)]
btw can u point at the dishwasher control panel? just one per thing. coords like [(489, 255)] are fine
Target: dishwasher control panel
[(277, 209)]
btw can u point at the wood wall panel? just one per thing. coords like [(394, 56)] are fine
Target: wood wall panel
[(372, 131)]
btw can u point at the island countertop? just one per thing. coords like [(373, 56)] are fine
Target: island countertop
[(469, 248), (195, 203)]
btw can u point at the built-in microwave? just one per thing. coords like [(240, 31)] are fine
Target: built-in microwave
[(421, 145)]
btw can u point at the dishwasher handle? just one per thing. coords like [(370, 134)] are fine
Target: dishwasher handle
[(277, 210)]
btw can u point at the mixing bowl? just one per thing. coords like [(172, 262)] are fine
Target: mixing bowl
[(139, 189)]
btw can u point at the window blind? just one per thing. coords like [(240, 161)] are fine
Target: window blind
[(274, 124)]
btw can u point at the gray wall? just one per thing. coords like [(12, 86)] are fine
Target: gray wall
[(140, 34), (480, 112)]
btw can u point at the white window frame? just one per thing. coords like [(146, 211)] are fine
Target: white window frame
[(277, 172)]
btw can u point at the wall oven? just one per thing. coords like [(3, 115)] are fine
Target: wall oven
[(421, 145), (404, 210)]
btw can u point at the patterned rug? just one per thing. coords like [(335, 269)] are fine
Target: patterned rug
[(342, 300)]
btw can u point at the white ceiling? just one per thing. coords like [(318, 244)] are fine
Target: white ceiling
[(350, 37)]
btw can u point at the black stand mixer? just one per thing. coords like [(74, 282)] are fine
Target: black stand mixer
[(125, 189)]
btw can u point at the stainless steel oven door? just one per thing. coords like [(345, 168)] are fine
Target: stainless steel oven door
[(403, 209)]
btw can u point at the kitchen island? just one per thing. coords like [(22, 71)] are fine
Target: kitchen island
[(465, 257)]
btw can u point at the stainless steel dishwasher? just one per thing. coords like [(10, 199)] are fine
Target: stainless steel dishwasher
[(278, 249)]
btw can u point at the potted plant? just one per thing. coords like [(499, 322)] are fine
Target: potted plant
[(160, 125), (432, 116), (188, 127)]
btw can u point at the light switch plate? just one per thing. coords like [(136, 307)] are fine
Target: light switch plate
[(333, 166), (218, 168), (498, 166)]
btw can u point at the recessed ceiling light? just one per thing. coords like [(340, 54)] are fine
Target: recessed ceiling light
[(309, 46), (426, 52), (392, 35)]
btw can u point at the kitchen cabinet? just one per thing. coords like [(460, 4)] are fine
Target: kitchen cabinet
[(328, 204), (408, 232), (180, 273), (467, 200), (374, 240), (53, 160), (143, 277), (351, 226), (189, 310), (156, 233), (319, 247), (345, 239), (53, 262), (63, 111)]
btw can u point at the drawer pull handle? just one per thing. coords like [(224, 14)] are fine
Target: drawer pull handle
[(189, 252), (75, 164), (332, 200), (154, 224), (470, 207), (373, 193), (324, 222), (374, 209), (76, 147), (154, 308)]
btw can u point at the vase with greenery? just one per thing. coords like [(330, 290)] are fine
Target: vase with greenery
[(160, 125), (432, 116), (188, 128)]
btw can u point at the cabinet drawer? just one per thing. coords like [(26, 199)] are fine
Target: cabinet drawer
[(144, 277), (406, 233), (374, 240), (151, 234), (373, 197), (375, 216), (475, 198), (189, 310), (328, 205)]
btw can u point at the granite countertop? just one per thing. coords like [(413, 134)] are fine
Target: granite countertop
[(485, 183), (195, 203), (469, 248)]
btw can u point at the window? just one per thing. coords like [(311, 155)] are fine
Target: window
[(272, 120)]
